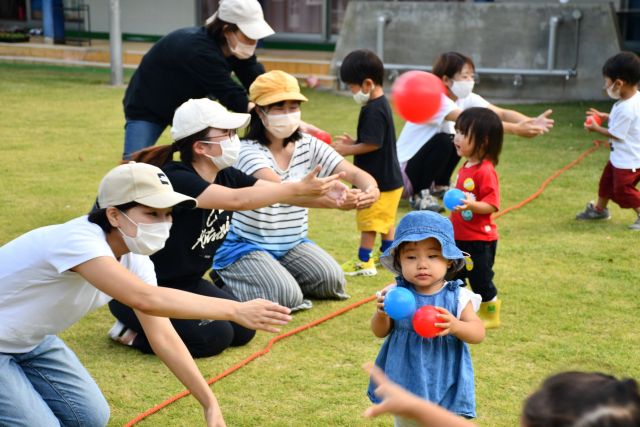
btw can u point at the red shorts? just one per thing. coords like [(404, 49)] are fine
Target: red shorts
[(619, 185)]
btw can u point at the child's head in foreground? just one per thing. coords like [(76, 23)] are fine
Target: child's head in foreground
[(581, 399)]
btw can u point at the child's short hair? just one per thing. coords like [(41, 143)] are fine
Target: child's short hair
[(624, 66), (450, 63), (485, 127), (581, 399), (362, 64)]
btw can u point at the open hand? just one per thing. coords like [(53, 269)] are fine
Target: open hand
[(342, 144), (368, 197), (263, 315), (314, 186), (339, 193)]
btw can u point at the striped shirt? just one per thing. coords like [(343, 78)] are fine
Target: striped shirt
[(279, 227)]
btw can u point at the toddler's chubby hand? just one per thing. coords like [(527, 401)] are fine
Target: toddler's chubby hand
[(448, 322), (380, 295)]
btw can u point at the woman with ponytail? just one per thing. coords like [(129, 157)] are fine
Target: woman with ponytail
[(205, 138)]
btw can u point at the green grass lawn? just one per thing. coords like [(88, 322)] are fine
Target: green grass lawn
[(570, 290)]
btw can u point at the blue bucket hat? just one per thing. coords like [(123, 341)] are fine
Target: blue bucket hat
[(421, 225)]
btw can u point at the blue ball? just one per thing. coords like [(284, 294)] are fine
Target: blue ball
[(453, 197), (399, 303)]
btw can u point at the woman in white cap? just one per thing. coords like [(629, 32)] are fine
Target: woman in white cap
[(52, 276), (193, 63), (205, 136), (267, 252)]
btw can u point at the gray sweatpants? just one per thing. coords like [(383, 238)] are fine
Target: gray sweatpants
[(305, 271)]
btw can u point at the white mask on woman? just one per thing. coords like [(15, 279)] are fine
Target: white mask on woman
[(149, 238), (362, 98), (230, 150), (241, 50), (462, 88), (281, 125)]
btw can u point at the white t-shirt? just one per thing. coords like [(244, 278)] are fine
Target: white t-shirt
[(414, 136), (624, 124), (473, 100), (39, 296), (280, 227)]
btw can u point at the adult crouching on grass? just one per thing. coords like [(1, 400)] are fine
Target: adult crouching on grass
[(205, 136), (52, 276), (267, 252)]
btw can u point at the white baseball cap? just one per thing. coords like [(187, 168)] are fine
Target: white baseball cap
[(198, 114), (142, 183), (246, 14)]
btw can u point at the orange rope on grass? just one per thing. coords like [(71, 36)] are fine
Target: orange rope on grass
[(329, 316), (546, 182), (254, 356)]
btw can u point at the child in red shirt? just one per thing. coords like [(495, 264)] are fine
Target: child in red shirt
[(478, 139)]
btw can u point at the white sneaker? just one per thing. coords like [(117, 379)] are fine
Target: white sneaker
[(120, 333)]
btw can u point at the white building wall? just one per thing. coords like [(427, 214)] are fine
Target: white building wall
[(147, 17)]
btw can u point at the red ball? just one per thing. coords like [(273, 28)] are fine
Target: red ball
[(424, 320), (592, 118), (417, 95), (323, 136)]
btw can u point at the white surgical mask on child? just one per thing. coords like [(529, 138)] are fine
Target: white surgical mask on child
[(462, 88), (613, 94), (149, 238), (230, 150), (281, 125), (242, 50), (362, 98)]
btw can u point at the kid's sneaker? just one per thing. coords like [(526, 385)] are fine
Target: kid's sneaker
[(636, 225), (590, 212), (375, 256), (355, 267), (429, 203)]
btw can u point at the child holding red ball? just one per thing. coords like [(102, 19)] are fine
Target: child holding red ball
[(621, 175), (424, 256)]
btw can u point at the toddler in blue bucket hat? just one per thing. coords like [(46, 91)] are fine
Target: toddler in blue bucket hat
[(424, 256)]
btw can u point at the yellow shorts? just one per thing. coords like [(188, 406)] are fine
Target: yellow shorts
[(381, 216)]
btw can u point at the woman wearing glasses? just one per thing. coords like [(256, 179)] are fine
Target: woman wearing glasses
[(205, 136)]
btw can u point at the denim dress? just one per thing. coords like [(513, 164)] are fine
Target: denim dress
[(437, 369)]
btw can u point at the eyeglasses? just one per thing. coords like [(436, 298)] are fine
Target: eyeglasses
[(218, 138)]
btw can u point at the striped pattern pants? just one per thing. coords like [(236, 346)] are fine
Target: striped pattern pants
[(306, 271)]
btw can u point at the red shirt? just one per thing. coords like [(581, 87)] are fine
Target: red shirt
[(481, 181)]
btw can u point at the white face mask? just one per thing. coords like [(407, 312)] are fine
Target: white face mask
[(462, 88), (281, 125), (241, 50), (613, 94), (362, 98), (230, 150), (149, 238)]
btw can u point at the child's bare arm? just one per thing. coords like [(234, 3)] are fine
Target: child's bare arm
[(475, 206), (469, 328)]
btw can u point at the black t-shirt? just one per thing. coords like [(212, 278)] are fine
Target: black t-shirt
[(197, 233), (185, 64), (375, 126)]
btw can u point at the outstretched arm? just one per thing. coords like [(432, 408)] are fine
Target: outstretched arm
[(168, 346), (109, 276), (235, 199), (516, 123), (398, 401)]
